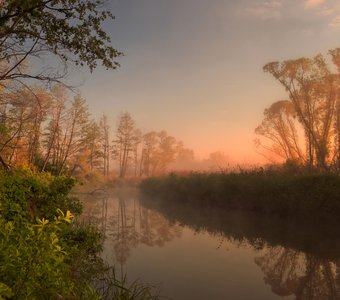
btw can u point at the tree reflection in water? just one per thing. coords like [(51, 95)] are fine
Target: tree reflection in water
[(128, 224), (300, 259), (290, 272)]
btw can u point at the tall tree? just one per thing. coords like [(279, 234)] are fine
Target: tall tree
[(92, 144), (135, 150), (105, 143), (52, 134), (149, 142), (313, 90), (69, 30), (124, 142), (75, 132), (41, 100)]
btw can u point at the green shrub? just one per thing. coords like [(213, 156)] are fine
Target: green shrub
[(32, 260), (43, 254), (37, 194)]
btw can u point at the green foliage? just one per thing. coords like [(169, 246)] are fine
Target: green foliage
[(84, 243), (23, 192), (43, 253), (71, 30), (32, 261)]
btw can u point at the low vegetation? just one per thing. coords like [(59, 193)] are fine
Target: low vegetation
[(44, 253), (291, 208), (271, 192)]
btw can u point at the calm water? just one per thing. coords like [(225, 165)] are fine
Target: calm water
[(200, 254)]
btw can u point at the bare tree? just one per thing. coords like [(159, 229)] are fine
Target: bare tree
[(92, 144), (52, 135), (75, 131), (124, 142), (279, 126), (135, 150), (105, 143), (313, 90), (149, 144)]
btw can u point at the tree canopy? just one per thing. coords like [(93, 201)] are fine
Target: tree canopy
[(70, 30), (51, 35)]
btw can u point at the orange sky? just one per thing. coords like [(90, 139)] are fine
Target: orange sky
[(194, 67)]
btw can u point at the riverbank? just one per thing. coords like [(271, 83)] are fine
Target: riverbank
[(277, 193), (44, 252)]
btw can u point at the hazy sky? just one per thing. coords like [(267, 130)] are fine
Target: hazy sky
[(194, 67)]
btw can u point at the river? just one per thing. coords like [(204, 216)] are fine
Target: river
[(200, 254)]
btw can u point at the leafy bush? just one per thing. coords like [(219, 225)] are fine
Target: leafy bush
[(43, 254), (32, 260), (36, 194)]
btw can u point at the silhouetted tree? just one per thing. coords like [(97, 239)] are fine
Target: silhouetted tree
[(68, 29), (313, 90), (279, 126)]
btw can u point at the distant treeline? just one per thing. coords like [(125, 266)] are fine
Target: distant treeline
[(44, 129)]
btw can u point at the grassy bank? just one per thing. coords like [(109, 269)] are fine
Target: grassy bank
[(266, 192), (44, 253), (297, 211)]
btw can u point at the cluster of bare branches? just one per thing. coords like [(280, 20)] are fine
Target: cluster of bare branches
[(305, 128), (45, 129), (144, 154)]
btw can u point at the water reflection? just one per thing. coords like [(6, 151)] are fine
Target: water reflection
[(290, 272), (300, 259), (127, 224), (286, 259)]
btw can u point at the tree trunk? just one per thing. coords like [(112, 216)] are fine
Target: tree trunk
[(4, 165)]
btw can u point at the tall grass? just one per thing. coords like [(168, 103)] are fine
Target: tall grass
[(268, 192), (299, 211), (110, 287)]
